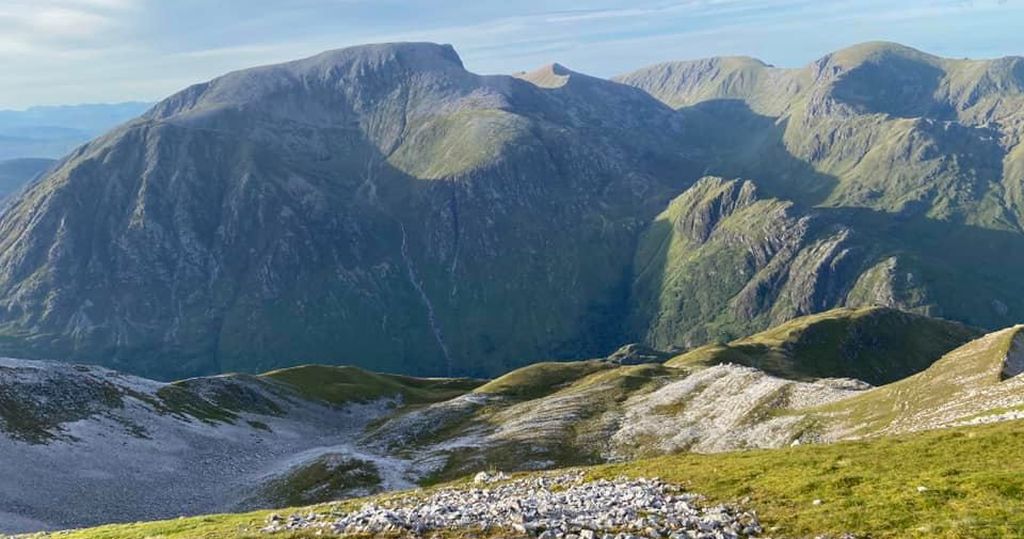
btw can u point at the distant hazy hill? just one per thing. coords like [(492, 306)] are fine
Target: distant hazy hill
[(52, 131), (382, 206), (15, 173)]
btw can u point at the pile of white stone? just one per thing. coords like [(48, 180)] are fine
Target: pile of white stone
[(551, 506)]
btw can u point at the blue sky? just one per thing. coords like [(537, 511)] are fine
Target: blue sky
[(75, 51)]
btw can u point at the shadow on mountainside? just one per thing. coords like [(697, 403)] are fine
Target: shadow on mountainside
[(309, 245), (905, 259), (739, 143)]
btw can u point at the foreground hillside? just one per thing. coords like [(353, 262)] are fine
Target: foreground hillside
[(385, 207), (964, 482), (85, 445)]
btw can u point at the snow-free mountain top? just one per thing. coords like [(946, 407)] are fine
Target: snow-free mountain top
[(300, 80), (382, 206)]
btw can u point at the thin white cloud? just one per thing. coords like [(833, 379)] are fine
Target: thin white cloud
[(65, 22)]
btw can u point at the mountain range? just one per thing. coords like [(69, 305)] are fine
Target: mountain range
[(793, 290), (384, 207), (49, 132)]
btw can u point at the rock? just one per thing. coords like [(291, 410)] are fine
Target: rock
[(487, 477), (556, 506)]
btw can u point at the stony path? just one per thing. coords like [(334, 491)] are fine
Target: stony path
[(551, 506)]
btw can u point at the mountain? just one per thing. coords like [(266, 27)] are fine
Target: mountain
[(877, 125), (384, 207), (53, 131), (376, 205), (876, 175), (142, 449)]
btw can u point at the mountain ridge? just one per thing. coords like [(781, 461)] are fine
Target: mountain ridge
[(243, 199), (383, 206)]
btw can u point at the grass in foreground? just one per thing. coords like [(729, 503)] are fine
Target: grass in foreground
[(974, 480)]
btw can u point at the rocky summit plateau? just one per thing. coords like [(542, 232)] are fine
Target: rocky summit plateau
[(371, 293)]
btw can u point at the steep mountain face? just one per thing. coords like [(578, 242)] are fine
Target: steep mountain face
[(382, 206), (884, 176), (723, 260), (378, 205)]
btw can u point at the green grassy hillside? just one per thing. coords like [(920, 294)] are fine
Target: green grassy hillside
[(342, 384), (873, 344), (973, 483), (976, 381)]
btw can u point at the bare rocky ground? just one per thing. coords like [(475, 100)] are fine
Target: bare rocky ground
[(102, 469), (129, 460), (549, 506)]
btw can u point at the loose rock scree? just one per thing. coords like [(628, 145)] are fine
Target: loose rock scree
[(548, 506)]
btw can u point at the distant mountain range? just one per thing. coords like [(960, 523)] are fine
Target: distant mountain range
[(16, 173), (382, 206), (53, 131)]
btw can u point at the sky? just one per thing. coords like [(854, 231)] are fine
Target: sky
[(88, 51)]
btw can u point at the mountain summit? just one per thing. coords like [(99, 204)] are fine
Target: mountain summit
[(377, 205)]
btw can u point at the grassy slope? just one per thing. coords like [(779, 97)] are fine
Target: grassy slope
[(541, 379), (874, 344), (968, 378), (339, 385), (974, 477)]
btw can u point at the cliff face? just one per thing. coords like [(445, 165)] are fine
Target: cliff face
[(723, 261)]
